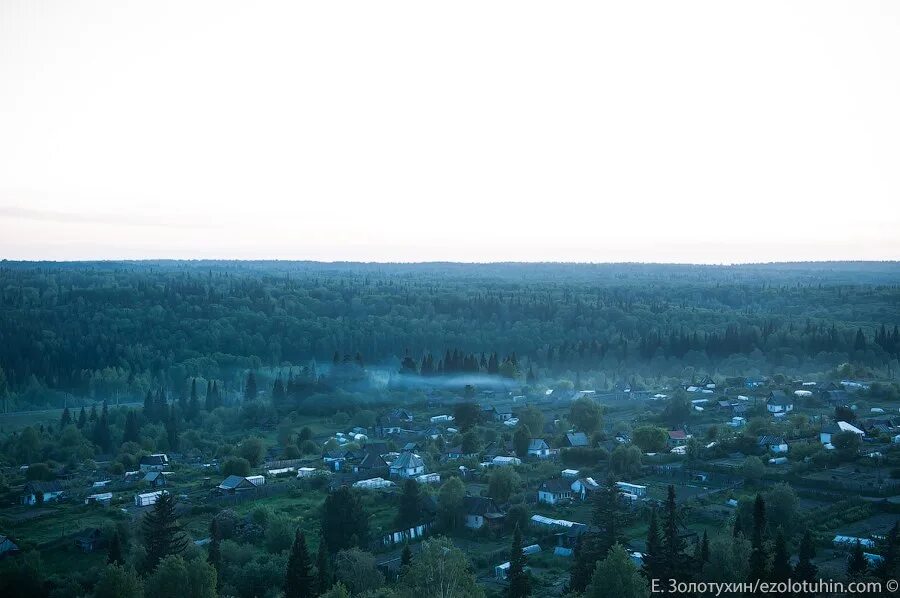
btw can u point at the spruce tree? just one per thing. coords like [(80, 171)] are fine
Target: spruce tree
[(162, 534), (857, 565), (82, 418), (101, 430), (114, 551), (66, 418), (652, 562), (214, 557), (194, 402), (889, 567), (323, 568), (172, 429), (298, 579), (210, 405), (405, 557), (806, 570), (250, 389), (132, 431), (517, 576), (758, 556), (702, 550), (409, 511), (674, 563), (781, 563)]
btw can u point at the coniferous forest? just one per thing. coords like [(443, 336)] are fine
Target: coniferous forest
[(99, 329)]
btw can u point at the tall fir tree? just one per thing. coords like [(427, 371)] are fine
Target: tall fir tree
[(102, 436), (250, 389), (66, 418), (889, 566), (675, 564), (781, 560), (517, 575), (409, 511), (758, 557), (132, 430), (162, 534), (279, 394), (214, 556), (82, 419), (652, 563), (805, 569), (194, 402), (172, 433), (114, 554), (210, 404), (323, 568), (298, 579), (857, 564), (405, 557)]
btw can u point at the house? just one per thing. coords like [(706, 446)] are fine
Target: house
[(583, 487), (155, 462), (502, 413), (407, 465), (830, 431), (372, 463), (234, 484), (779, 402), (836, 396), (401, 414), (156, 479), (481, 511), (775, 444), (577, 439), (131, 477), (90, 540), (538, 448), (555, 491), (7, 546), (572, 474), (502, 461), (38, 492), (677, 438), (413, 447)]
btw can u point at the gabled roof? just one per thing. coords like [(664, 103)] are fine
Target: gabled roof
[(677, 435), (235, 481), (36, 486), (537, 444), (780, 398), (577, 439), (556, 486), (408, 460), (157, 459), (372, 461), (480, 505), (769, 439)]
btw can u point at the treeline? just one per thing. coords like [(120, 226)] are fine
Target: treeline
[(102, 329)]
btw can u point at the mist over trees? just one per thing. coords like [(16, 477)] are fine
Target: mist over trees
[(123, 329)]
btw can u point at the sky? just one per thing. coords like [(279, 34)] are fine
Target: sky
[(476, 131)]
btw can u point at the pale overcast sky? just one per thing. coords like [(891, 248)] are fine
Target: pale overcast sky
[(475, 131)]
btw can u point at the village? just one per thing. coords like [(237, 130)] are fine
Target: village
[(827, 453)]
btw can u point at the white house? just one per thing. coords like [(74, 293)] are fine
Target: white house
[(582, 487), (555, 491), (481, 511), (538, 448), (41, 492), (775, 444), (155, 462), (779, 402), (407, 465), (830, 431)]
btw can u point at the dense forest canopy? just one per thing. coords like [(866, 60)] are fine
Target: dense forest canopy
[(91, 328)]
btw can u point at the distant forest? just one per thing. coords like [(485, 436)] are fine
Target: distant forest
[(94, 328)]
